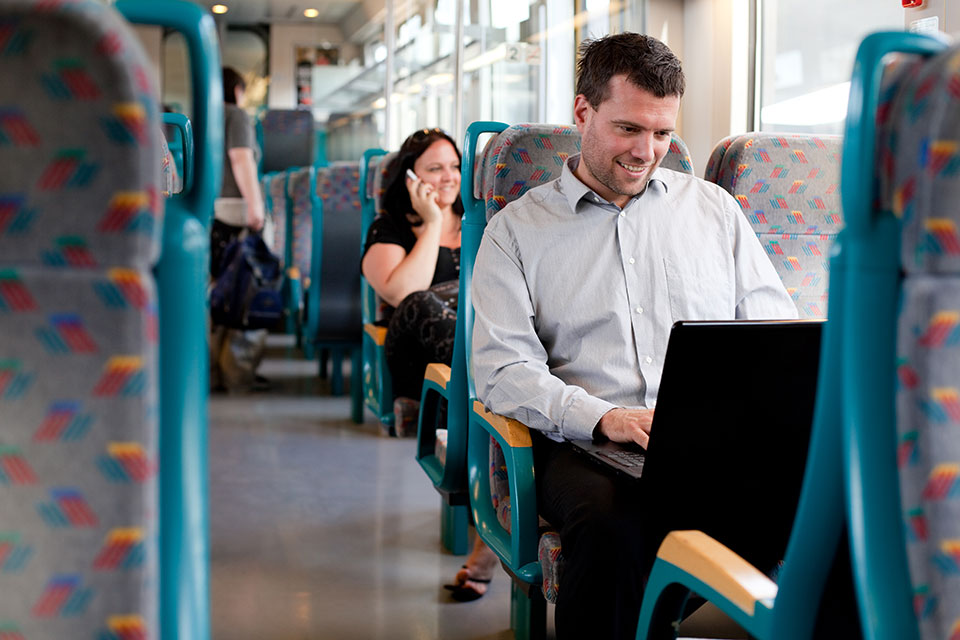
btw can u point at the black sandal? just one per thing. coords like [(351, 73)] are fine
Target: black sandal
[(464, 592)]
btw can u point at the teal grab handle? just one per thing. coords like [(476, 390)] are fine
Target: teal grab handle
[(200, 33), (474, 210), (471, 232), (368, 155), (860, 135), (368, 211), (182, 123), (181, 275)]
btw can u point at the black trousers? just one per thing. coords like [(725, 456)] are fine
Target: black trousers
[(610, 531), (421, 331), (606, 554)]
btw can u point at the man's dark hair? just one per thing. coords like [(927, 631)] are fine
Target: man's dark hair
[(232, 80), (648, 64)]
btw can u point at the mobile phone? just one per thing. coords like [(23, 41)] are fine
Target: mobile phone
[(412, 175)]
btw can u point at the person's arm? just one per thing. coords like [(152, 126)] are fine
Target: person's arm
[(510, 362), (391, 271), (760, 293), (244, 167)]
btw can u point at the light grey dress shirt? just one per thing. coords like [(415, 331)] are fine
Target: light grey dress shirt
[(574, 298)]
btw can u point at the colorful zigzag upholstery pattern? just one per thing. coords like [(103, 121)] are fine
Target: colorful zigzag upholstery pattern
[(921, 184), (80, 218), (788, 187), (299, 185), (339, 187), (278, 211)]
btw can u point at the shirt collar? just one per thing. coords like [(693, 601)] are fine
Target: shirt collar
[(575, 191)]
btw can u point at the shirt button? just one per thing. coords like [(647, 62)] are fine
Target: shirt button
[(648, 359), (639, 309), (632, 260), (622, 214)]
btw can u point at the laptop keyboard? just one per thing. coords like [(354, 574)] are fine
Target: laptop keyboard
[(625, 458)]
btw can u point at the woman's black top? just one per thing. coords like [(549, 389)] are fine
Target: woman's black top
[(384, 229)]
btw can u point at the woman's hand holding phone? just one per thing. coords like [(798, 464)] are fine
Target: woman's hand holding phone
[(423, 198)]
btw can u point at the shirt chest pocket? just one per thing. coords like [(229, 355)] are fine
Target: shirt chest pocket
[(699, 290)]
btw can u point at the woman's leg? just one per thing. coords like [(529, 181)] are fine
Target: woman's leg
[(421, 331)]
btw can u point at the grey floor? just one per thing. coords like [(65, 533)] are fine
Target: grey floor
[(321, 528)]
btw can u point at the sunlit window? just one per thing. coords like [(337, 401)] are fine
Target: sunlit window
[(807, 52)]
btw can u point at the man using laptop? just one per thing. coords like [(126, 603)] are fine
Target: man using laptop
[(576, 286)]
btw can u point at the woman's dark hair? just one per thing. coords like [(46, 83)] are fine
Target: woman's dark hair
[(648, 64), (232, 80), (396, 198)]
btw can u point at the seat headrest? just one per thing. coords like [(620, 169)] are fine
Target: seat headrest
[(79, 139), (379, 181), (524, 156), (339, 186), (919, 150), (785, 183)]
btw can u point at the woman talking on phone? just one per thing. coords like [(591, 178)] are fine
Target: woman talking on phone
[(412, 260)]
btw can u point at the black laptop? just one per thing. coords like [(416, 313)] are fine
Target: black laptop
[(731, 427)]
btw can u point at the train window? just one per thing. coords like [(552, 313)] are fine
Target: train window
[(806, 51), (245, 49), (176, 74)]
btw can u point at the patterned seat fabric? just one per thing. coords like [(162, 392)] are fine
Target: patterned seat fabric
[(287, 139), (513, 162), (921, 184), (339, 189), (80, 214), (278, 210), (375, 190), (299, 185), (788, 187)]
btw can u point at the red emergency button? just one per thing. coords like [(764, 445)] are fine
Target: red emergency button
[(912, 3)]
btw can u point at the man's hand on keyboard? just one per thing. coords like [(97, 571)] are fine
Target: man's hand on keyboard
[(626, 425)]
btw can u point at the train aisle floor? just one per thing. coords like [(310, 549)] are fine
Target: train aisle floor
[(321, 528)]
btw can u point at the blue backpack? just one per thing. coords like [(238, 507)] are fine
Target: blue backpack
[(247, 293)]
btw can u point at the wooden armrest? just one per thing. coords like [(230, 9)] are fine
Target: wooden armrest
[(514, 433), (379, 334), (439, 373), (711, 562)]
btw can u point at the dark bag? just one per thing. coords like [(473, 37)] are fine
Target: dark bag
[(246, 294)]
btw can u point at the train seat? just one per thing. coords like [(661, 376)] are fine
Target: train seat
[(377, 386), (288, 139), (103, 322), (304, 210), (499, 456), (268, 225), (787, 186), (338, 316), (901, 351)]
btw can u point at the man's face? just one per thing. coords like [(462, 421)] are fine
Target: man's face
[(624, 139)]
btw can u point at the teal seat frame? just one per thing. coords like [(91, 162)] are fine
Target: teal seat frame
[(517, 551), (293, 279), (311, 311), (874, 279), (182, 274), (377, 385), (449, 477), (312, 347)]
